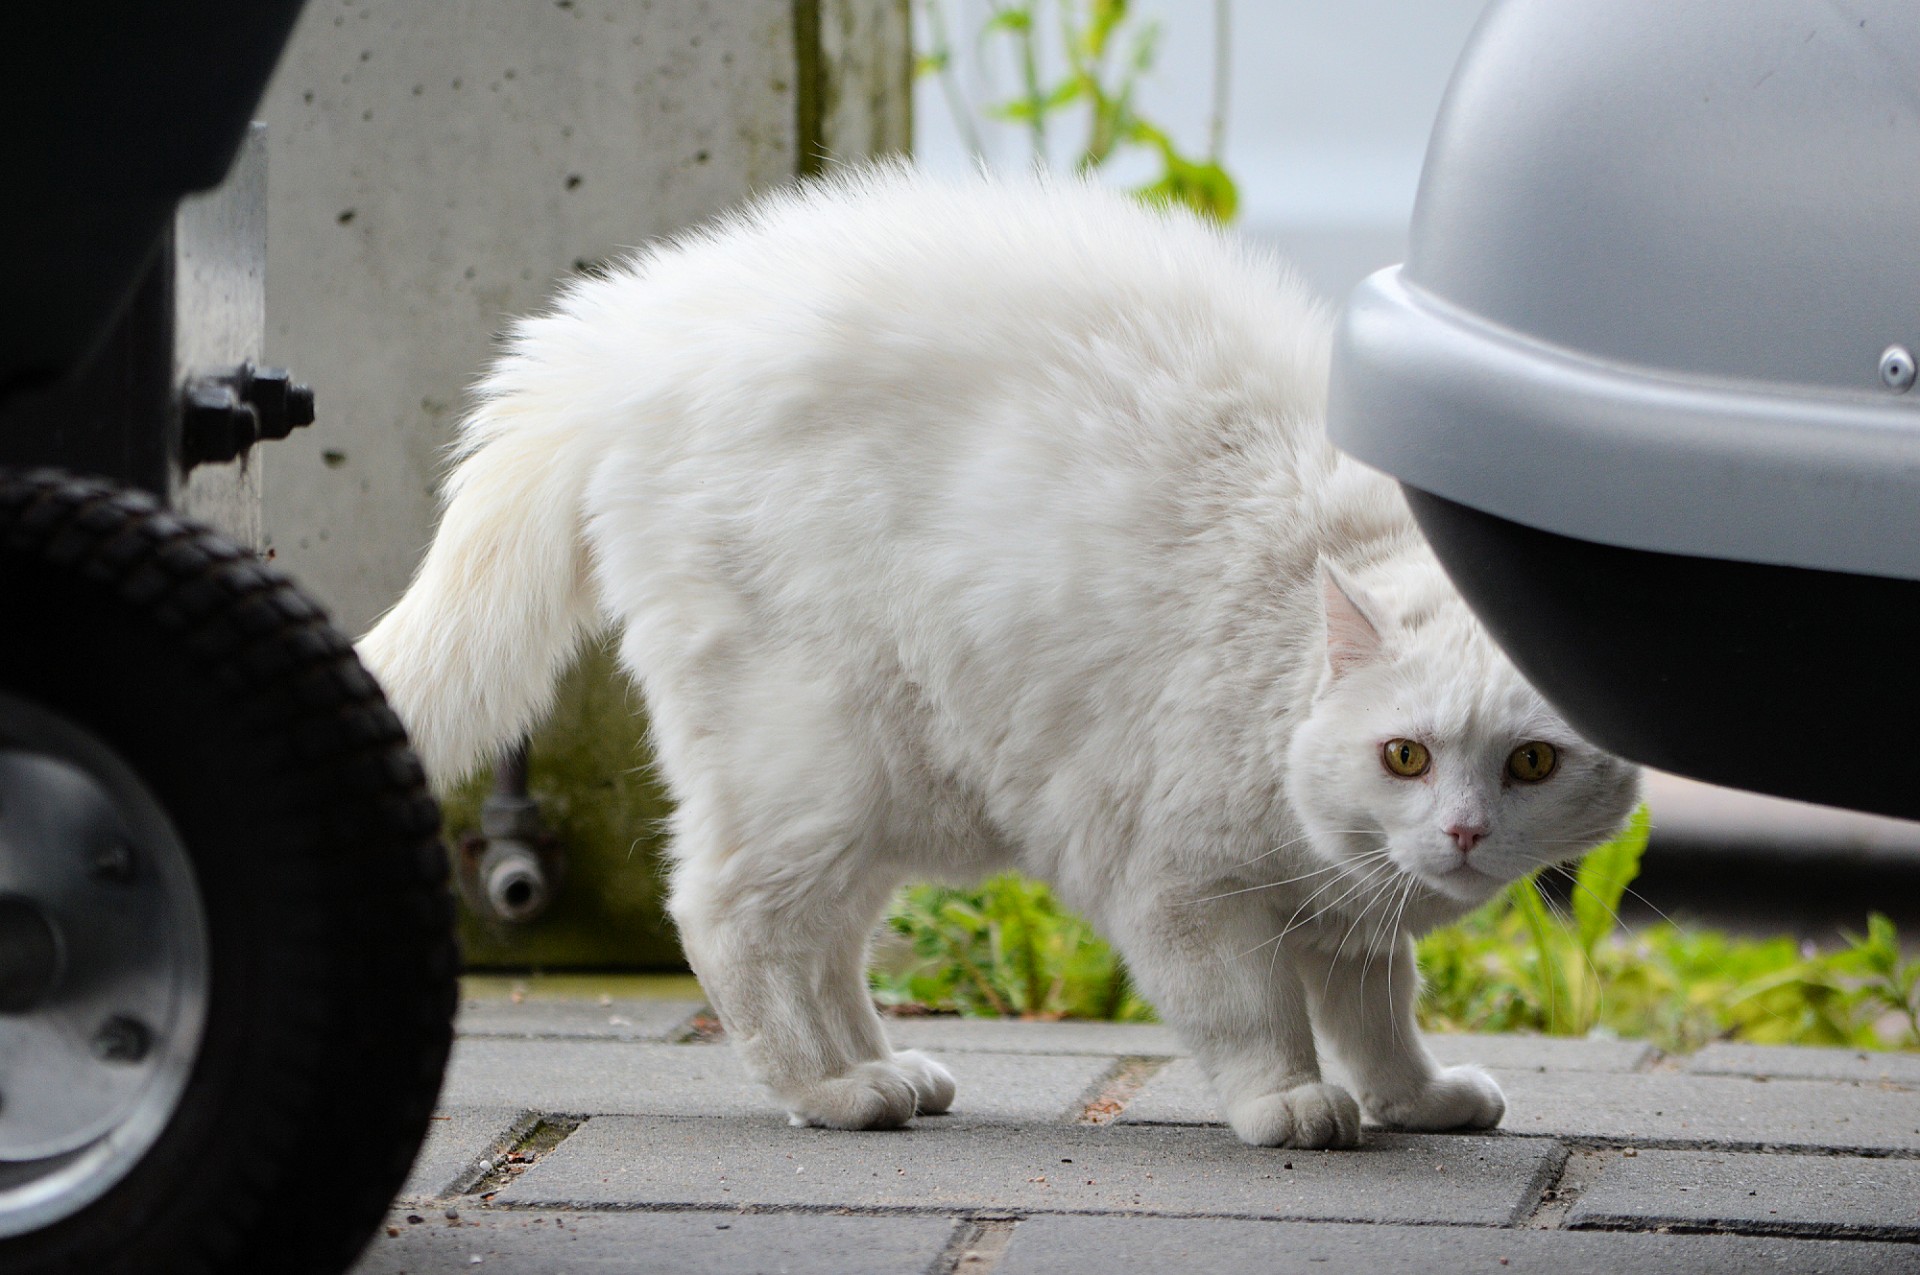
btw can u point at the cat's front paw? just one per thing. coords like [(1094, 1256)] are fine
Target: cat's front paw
[(874, 1095), (1457, 1098), (932, 1084), (1307, 1116)]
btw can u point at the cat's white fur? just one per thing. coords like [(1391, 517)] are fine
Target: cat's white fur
[(952, 526)]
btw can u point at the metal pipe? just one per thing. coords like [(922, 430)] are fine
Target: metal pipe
[(513, 878)]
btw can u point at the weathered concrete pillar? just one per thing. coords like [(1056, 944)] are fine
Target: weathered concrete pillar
[(437, 168)]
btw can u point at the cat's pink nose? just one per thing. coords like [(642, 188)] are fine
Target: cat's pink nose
[(1466, 835)]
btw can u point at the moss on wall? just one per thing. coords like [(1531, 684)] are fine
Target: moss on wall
[(592, 776)]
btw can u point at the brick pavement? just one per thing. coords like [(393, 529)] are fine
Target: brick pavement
[(581, 1137)]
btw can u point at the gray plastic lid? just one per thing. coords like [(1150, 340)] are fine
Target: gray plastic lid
[(1659, 255)]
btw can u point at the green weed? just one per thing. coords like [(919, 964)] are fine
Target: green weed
[(1523, 963), (1106, 51), (1006, 949)]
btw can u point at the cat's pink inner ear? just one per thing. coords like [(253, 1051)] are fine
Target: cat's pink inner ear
[(1352, 638)]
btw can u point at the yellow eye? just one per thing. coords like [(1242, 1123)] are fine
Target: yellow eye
[(1530, 763), (1406, 758)]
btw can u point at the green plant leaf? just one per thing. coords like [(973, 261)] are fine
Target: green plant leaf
[(1016, 19), (1602, 880)]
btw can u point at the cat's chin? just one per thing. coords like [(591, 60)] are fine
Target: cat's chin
[(1462, 883)]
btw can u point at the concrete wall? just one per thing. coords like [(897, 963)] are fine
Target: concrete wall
[(438, 167)]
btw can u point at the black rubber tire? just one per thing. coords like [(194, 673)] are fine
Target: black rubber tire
[(315, 843)]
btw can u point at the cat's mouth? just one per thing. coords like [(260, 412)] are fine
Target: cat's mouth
[(1461, 880)]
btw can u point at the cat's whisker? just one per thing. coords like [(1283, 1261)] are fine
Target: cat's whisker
[(1406, 897), (1646, 903), (1381, 854), (1293, 921), (1379, 892), (1271, 885), (1386, 890), (1307, 836), (1568, 872), (1586, 958), (1393, 939), (1294, 924), (1346, 869), (1267, 885)]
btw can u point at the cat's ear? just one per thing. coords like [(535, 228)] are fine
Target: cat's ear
[(1353, 631)]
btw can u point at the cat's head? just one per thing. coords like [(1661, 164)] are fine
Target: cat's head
[(1424, 748)]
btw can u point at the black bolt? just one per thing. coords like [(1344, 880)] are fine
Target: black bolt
[(122, 1040), (215, 425)]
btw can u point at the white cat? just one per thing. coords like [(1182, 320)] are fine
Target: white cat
[(952, 526)]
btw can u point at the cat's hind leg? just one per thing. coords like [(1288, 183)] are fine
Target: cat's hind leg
[(783, 959), (782, 858)]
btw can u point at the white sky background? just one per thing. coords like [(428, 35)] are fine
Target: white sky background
[(1330, 105)]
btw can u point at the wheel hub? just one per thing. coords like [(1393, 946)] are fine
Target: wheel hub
[(103, 966), (29, 954)]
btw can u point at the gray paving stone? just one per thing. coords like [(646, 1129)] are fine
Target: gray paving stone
[(1802, 1062), (583, 1077), (1156, 1246), (1179, 1093), (615, 1162), (623, 1243), (456, 1139), (588, 1077), (1731, 1111), (560, 1019), (1013, 1036), (1806, 1194), (1542, 1053), (1659, 1107)]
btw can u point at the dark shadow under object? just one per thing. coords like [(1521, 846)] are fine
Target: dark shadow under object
[(1779, 679)]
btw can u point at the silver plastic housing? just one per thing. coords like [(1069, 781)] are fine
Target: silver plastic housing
[(1660, 261)]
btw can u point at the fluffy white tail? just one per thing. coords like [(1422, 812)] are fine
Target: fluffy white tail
[(469, 656)]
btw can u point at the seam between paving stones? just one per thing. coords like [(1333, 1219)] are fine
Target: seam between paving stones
[(516, 1132), (546, 1132), (531, 1127), (981, 1212), (1863, 1231), (978, 1242), (1107, 1098), (1596, 1142), (1591, 1143), (1578, 1172), (1546, 1178), (529, 1121), (973, 1224)]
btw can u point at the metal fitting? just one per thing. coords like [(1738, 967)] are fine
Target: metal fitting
[(215, 426), (1897, 368), (511, 870), (221, 417), (282, 403), (514, 880)]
